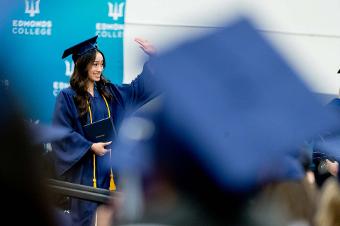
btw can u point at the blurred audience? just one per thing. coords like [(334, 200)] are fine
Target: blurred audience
[(285, 203), (329, 204)]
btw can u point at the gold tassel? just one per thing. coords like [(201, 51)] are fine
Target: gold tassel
[(94, 172), (112, 183)]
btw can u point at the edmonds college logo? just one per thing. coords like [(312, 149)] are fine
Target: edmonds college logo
[(116, 10), (32, 7), (115, 29), (31, 27)]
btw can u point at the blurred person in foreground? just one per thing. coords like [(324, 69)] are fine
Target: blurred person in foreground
[(224, 128), (25, 197)]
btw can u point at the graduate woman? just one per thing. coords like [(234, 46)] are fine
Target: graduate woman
[(91, 98)]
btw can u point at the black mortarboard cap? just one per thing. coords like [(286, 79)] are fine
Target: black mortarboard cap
[(237, 104), (81, 48)]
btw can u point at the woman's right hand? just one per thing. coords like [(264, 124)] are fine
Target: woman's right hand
[(332, 167), (99, 148)]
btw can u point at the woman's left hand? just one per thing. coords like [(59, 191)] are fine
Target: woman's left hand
[(146, 46)]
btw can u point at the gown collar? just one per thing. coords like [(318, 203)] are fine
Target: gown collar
[(95, 92)]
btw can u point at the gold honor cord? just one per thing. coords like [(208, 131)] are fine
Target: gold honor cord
[(112, 183)]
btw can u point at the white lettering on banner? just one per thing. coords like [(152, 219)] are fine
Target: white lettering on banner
[(32, 23), (58, 86), (105, 26), (69, 68), (31, 31), (116, 10), (110, 34), (104, 30), (32, 7)]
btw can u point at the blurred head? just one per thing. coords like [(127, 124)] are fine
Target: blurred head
[(22, 177)]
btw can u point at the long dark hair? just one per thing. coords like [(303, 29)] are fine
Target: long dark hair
[(79, 80)]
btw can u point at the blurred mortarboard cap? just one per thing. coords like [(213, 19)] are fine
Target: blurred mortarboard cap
[(334, 104), (81, 48), (241, 106), (323, 144), (328, 146), (234, 101)]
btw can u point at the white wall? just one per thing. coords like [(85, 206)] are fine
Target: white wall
[(306, 32)]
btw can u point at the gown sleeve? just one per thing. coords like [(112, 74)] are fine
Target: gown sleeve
[(141, 90), (74, 146)]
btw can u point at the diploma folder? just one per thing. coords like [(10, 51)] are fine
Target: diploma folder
[(99, 131)]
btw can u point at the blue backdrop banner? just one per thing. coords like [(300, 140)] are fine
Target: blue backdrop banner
[(34, 34)]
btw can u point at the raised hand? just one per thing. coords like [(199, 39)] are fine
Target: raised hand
[(146, 46)]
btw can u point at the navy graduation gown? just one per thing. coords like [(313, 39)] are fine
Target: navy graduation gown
[(73, 158), (334, 104)]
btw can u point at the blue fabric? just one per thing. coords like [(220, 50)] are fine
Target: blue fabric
[(326, 147), (72, 155)]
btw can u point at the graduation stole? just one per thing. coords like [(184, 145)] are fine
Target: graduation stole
[(112, 183)]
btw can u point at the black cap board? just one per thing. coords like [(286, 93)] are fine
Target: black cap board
[(81, 48)]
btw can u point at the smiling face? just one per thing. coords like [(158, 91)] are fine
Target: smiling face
[(96, 68)]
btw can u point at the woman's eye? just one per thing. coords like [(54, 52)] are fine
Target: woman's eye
[(97, 64)]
